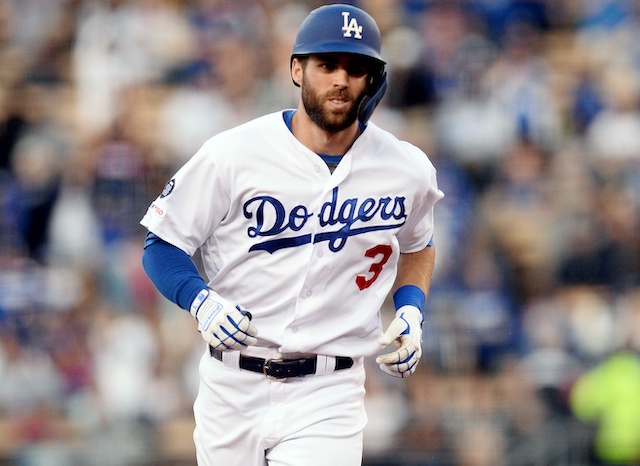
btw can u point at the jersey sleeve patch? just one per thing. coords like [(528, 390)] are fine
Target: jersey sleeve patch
[(168, 188)]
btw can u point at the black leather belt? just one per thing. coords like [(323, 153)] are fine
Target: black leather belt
[(283, 368)]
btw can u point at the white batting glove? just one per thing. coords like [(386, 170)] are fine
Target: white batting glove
[(406, 331), (221, 323)]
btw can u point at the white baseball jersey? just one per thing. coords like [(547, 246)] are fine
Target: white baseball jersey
[(311, 254)]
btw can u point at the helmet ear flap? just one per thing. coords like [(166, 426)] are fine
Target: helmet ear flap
[(376, 75), (373, 98)]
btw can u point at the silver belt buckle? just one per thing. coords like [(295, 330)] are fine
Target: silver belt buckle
[(267, 366)]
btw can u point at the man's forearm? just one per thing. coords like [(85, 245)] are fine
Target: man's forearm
[(416, 268)]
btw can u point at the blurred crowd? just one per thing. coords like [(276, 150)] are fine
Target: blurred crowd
[(529, 110)]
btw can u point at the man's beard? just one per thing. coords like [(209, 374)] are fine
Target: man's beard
[(332, 122)]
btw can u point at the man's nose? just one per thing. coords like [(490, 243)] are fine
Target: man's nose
[(340, 78)]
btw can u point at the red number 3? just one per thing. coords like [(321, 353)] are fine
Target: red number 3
[(383, 250)]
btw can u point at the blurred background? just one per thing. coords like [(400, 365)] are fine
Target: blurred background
[(529, 110)]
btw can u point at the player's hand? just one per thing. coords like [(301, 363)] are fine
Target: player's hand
[(222, 324), (406, 331)]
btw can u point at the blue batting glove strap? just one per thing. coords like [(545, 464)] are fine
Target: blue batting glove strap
[(197, 302), (221, 323), (410, 295)]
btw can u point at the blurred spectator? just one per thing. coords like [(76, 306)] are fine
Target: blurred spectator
[(608, 29), (36, 155), (521, 82), (607, 395), (457, 222), (120, 43), (591, 322), (434, 76), (549, 360), (75, 236), (472, 127), (274, 90), (118, 166), (32, 31), (520, 215), (32, 195), (121, 176), (32, 399), (487, 311), (29, 378), (125, 357), (209, 96), (612, 136), (497, 16), (596, 258)]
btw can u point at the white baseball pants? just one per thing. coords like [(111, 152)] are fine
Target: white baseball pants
[(245, 419)]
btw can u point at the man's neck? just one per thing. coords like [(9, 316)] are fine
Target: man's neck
[(319, 140)]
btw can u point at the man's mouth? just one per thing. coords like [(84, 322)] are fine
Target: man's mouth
[(338, 102)]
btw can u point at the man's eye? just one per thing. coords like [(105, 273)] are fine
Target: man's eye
[(357, 71)]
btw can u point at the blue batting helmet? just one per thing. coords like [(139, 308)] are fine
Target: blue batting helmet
[(339, 28)]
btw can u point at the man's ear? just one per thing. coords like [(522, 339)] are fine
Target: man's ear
[(296, 71)]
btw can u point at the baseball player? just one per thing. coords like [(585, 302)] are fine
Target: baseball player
[(306, 220)]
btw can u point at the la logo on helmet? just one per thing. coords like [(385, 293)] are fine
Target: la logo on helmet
[(351, 27)]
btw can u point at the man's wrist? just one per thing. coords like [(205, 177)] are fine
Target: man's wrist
[(198, 300), (410, 295)]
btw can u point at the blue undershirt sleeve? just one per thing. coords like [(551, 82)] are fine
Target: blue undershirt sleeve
[(172, 271)]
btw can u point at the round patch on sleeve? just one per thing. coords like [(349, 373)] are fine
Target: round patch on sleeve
[(168, 188)]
